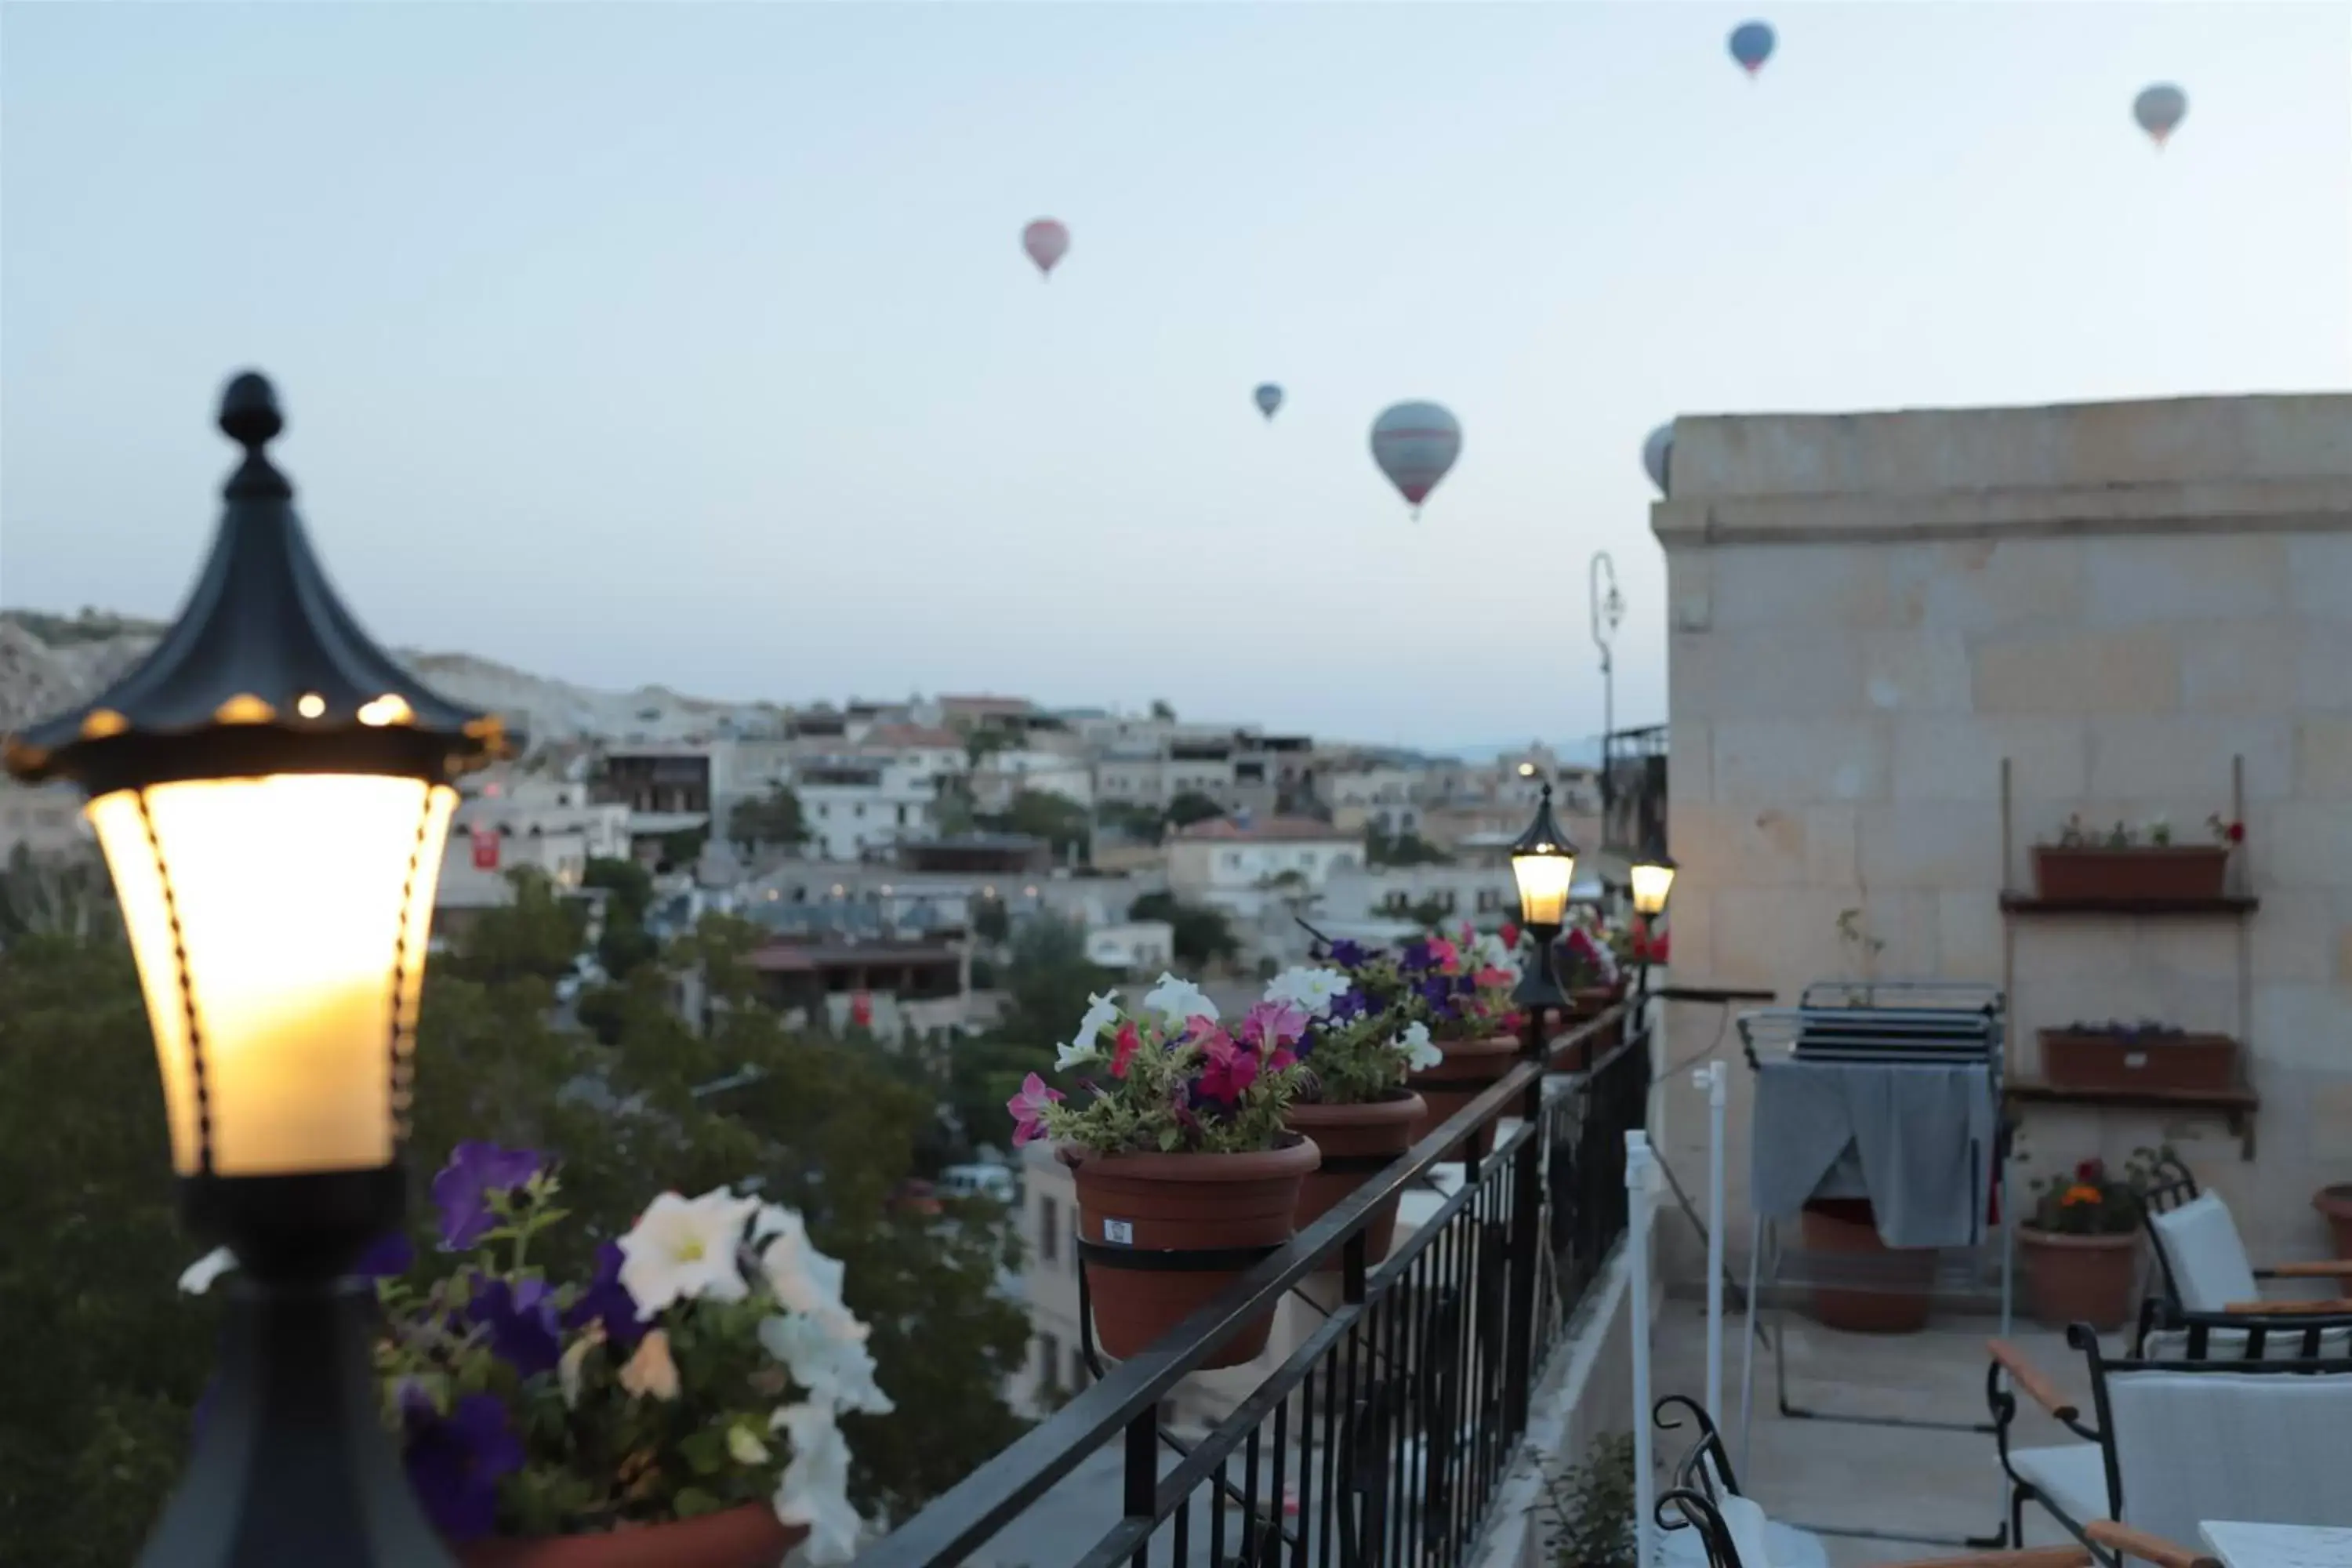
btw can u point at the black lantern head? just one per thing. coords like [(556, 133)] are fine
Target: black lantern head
[(271, 791), (1543, 863)]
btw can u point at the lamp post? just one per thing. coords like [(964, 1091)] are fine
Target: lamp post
[(1543, 864), (1608, 609), (1653, 877), (271, 791)]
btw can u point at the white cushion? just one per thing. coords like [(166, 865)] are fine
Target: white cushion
[(2279, 1344), (1746, 1524), (2194, 1445), (2072, 1477), (2210, 1265)]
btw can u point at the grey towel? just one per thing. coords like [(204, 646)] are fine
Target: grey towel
[(1922, 1137)]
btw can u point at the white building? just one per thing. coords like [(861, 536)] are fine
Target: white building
[(1246, 866), (514, 805), (857, 808), (1005, 775), (1132, 947)]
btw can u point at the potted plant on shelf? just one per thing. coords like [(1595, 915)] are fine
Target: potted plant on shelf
[(1460, 986), (1352, 1100), (2081, 1245), (2148, 1054), (2130, 865), (677, 1409), (1590, 972), (1185, 1168)]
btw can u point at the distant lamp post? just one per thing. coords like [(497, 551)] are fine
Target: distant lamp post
[(272, 795), (1543, 864)]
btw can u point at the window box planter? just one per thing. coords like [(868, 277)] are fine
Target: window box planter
[(2139, 1060), (1356, 1144), (2138, 874), (1469, 1069), (749, 1536)]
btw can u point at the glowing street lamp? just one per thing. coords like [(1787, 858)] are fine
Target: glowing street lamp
[(1543, 864), (1652, 876), (272, 795)]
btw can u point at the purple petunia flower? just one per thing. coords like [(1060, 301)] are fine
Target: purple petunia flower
[(391, 1256), (455, 1462), (607, 1301), (462, 1191), (521, 1318), (1348, 954)]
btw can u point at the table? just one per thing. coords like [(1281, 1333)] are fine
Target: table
[(2241, 1545)]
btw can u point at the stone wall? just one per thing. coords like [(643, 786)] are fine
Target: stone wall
[(1870, 613)]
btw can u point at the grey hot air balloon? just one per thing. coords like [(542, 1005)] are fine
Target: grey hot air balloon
[(1415, 444), (1658, 455), (1269, 398), (2159, 110)]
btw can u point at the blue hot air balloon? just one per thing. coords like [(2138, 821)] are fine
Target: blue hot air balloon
[(1751, 45), (1269, 398), (1658, 455), (2159, 110)]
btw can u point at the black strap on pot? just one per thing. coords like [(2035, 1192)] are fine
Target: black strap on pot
[(1359, 1162), (1458, 1085), (1153, 1261)]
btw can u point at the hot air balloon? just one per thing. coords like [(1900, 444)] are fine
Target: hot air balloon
[(2159, 110), (1415, 444), (1269, 398), (1658, 453), (1751, 45), (1046, 241)]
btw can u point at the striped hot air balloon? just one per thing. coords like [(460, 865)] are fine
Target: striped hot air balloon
[(1415, 445), (1046, 241)]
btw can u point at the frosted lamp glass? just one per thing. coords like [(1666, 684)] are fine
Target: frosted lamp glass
[(1543, 887), (303, 903), (1651, 885)]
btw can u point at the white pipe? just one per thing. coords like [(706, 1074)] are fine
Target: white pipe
[(1719, 1095), (1637, 1229)]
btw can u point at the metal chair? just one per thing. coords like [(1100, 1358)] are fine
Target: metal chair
[(2202, 1260)]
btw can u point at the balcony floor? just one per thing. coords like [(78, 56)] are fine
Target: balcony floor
[(1813, 1472)]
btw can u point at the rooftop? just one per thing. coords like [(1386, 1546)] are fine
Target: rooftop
[(1271, 830)]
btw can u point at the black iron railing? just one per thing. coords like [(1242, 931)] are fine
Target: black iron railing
[(1383, 1435)]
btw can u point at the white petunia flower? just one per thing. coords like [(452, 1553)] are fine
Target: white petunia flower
[(1493, 953), (804, 1279), (1312, 989), (651, 1371), (744, 1446), (1102, 1012), (200, 1275), (814, 1490), (1420, 1054), (1177, 1000), (831, 1366), (683, 1251)]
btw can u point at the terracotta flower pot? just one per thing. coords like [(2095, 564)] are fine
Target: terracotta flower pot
[(1160, 1206), (1356, 1141), (1469, 1069), (749, 1536), (2081, 1279), (2336, 1203), (2142, 873), (1903, 1280)]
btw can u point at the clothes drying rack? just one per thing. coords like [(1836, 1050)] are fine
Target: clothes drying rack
[(1900, 1023)]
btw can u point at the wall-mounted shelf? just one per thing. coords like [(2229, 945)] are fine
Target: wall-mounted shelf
[(2229, 906), (2235, 1106)]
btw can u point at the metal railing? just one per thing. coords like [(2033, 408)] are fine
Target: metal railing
[(1382, 1439)]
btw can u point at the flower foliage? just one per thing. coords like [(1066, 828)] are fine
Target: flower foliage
[(703, 1364), (1355, 1050), (1180, 1081), (2091, 1200), (1457, 984)]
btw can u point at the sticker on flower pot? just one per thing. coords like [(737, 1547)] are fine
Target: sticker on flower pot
[(1119, 1232)]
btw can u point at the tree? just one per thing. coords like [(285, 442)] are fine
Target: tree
[(1126, 817), (1406, 848), (1047, 981), (1162, 712), (772, 818), (1201, 936), (991, 920), (97, 1415), (1057, 820), (624, 943), (1191, 807)]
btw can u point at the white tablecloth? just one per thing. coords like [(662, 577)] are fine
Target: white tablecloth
[(2243, 1545)]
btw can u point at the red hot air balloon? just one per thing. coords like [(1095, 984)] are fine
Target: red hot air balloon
[(1046, 241)]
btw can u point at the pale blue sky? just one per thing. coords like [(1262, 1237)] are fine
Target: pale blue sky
[(693, 343)]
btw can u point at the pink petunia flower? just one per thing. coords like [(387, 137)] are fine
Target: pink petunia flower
[(1448, 956), (1489, 979), (1028, 1109), (1225, 1080), (1270, 1026), (1124, 1045)]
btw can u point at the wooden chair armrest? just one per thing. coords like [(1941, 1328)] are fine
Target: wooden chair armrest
[(2129, 1542), (2029, 1380), (2317, 1268), (2289, 1308), (2035, 1557)]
